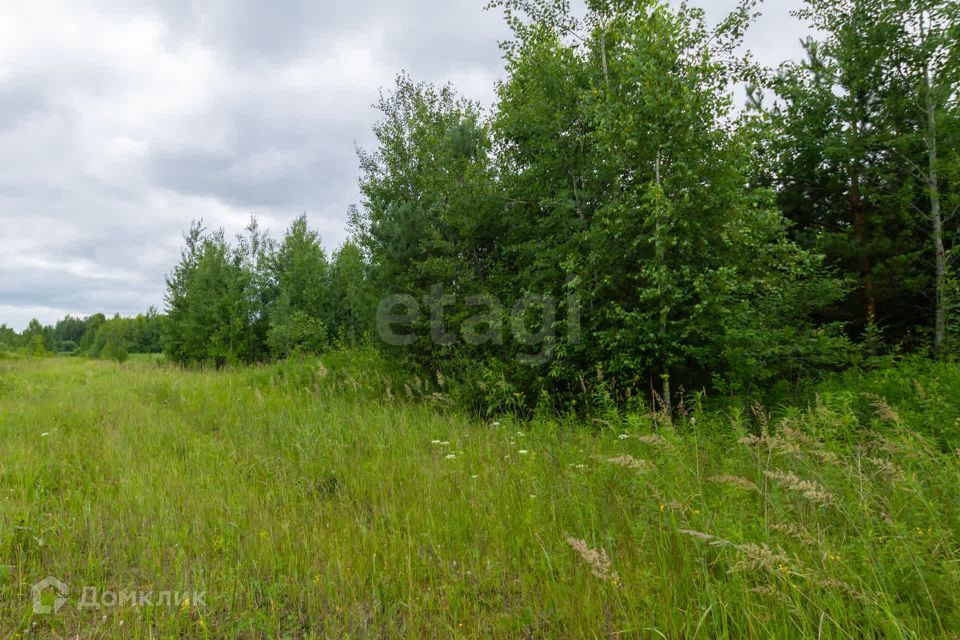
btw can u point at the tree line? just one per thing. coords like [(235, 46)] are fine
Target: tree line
[(708, 245), (256, 299), (659, 235), (95, 336)]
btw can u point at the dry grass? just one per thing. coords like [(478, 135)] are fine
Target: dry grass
[(735, 481), (598, 561), (809, 489)]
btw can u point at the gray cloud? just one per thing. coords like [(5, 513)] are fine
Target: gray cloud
[(123, 120)]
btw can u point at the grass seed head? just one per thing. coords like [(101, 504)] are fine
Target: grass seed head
[(735, 481), (598, 561), (629, 462), (812, 491)]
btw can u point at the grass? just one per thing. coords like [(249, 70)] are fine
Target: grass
[(329, 499)]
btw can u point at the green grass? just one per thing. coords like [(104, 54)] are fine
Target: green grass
[(311, 500)]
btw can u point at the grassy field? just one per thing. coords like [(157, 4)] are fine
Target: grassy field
[(312, 500)]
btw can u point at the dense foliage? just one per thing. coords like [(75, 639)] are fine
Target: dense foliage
[(255, 299), (864, 158), (674, 240)]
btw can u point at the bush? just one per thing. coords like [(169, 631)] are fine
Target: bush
[(36, 347), (299, 334)]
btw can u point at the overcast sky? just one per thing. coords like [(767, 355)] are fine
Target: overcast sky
[(123, 120)]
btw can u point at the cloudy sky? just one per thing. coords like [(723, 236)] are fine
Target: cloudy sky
[(123, 120)]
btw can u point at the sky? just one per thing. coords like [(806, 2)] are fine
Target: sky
[(121, 121)]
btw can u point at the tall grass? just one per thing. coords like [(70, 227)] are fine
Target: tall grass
[(336, 499)]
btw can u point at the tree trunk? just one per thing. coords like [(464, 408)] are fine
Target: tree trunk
[(667, 397), (858, 214), (603, 57), (860, 236), (667, 393), (933, 186)]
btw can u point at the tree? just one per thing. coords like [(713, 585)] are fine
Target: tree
[(91, 329), (612, 181), (36, 347), (858, 161), (352, 300), (68, 333), (113, 340), (626, 180), (146, 332), (831, 171), (215, 299), (926, 56), (9, 339), (249, 301), (301, 298), (38, 338), (430, 222)]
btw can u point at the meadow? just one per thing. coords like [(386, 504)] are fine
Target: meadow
[(333, 498)]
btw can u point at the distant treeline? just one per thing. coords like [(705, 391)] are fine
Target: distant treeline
[(95, 336)]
